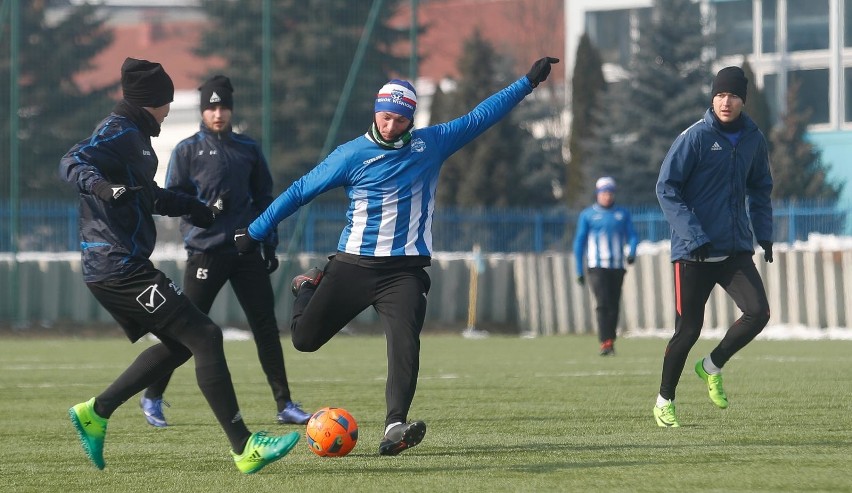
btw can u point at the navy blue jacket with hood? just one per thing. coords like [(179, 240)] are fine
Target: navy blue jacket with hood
[(703, 185)]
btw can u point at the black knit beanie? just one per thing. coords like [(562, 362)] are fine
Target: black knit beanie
[(217, 90), (146, 84), (731, 80)]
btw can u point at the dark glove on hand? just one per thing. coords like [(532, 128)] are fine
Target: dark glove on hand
[(245, 243), (540, 70), (113, 194), (701, 253), (631, 259), (268, 254), (201, 215), (767, 250), (581, 280)]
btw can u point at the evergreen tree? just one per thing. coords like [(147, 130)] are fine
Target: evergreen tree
[(666, 91), (757, 107), (54, 112), (797, 168), (500, 167), (314, 44), (588, 87)]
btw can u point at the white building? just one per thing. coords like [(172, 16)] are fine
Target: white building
[(809, 40)]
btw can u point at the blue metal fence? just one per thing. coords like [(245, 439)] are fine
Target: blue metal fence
[(52, 226)]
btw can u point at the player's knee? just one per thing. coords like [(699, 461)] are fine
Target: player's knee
[(759, 318), (305, 345)]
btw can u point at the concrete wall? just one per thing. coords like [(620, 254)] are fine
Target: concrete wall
[(521, 293)]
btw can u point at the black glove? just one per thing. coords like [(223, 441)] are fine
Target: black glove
[(540, 70), (245, 243), (114, 194), (581, 280), (767, 250), (701, 253), (269, 257), (201, 215), (631, 259)]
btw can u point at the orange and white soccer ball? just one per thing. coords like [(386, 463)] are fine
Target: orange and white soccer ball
[(331, 432)]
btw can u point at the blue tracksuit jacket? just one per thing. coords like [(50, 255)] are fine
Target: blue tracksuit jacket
[(703, 185)]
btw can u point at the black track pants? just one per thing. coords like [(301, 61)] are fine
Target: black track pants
[(399, 297), (694, 282)]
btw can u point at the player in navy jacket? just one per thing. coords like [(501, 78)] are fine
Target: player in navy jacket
[(113, 171), (712, 168), (390, 175), (218, 162)]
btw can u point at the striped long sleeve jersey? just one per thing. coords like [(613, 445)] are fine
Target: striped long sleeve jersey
[(601, 236), (391, 191)]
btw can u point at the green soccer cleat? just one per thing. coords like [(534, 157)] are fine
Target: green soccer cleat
[(91, 429), (714, 385), (263, 449), (665, 416)]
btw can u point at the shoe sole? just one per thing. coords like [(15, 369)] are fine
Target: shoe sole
[(81, 434), (663, 424), (410, 437), (292, 422)]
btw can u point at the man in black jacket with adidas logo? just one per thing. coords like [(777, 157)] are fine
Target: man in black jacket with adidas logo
[(213, 163)]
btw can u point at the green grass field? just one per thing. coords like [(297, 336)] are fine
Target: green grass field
[(503, 414)]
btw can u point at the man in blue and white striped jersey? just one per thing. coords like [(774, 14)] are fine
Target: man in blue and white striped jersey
[(390, 175), (603, 230)]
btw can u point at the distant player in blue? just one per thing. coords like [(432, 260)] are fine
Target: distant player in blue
[(390, 175), (603, 230)]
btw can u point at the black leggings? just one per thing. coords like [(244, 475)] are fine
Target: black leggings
[(149, 298), (399, 297), (606, 286), (694, 282)]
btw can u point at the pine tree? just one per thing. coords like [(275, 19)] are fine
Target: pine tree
[(797, 168), (54, 112), (588, 88), (756, 106), (504, 166), (666, 91), (314, 44)]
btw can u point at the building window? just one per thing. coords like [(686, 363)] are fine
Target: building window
[(770, 92), (813, 93), (807, 25), (609, 31), (847, 72), (770, 26), (847, 25), (734, 28)]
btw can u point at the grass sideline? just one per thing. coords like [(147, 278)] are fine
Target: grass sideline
[(503, 414)]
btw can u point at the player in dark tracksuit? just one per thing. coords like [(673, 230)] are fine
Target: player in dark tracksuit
[(390, 175), (113, 171), (709, 173), (218, 162)]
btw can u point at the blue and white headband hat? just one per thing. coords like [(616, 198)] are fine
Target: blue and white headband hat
[(605, 184), (397, 96)]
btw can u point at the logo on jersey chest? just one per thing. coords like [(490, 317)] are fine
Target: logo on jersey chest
[(417, 145)]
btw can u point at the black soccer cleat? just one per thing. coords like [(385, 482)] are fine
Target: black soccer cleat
[(402, 436), (312, 277)]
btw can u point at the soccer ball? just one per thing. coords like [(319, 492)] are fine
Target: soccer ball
[(331, 432)]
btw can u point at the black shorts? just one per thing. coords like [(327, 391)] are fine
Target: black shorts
[(144, 302)]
